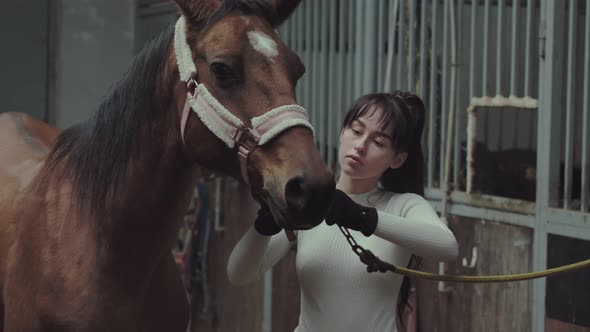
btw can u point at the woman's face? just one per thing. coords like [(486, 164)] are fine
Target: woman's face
[(366, 149)]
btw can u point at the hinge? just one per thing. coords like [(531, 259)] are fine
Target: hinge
[(542, 39)]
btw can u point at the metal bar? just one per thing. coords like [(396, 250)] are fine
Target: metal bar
[(391, 41), (573, 231), (569, 108), (472, 50), (297, 47), (585, 185), (568, 218), (302, 84), (323, 93), (527, 48), (359, 63), (432, 111), (351, 49), (312, 62), (458, 115), (515, 7), (340, 71), (469, 153), (308, 59), (513, 66), (400, 46), (316, 71), (486, 201), (499, 25), (503, 102), (486, 27), (381, 27), (369, 48), (548, 134), (299, 91), (333, 93), (412, 51), (444, 110), (292, 31), (422, 91)]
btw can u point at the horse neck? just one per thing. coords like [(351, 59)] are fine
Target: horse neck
[(155, 190)]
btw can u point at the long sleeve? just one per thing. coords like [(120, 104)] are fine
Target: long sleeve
[(417, 227), (254, 254)]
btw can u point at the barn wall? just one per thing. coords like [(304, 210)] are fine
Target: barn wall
[(501, 249), (23, 60), (285, 294), (93, 46), (234, 308)]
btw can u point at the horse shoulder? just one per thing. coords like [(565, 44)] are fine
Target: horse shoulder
[(24, 144)]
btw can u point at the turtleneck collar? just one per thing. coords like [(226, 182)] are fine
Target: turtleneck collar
[(369, 198)]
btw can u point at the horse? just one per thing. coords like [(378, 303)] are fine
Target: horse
[(88, 215)]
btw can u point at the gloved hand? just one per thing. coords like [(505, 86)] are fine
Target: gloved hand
[(265, 224), (347, 213)]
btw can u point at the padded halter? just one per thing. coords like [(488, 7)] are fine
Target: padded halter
[(221, 122)]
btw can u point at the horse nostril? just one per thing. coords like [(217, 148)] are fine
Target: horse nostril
[(297, 194), (308, 199)]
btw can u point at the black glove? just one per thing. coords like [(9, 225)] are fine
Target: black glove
[(265, 224), (347, 213)]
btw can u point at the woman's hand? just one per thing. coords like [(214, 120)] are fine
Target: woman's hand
[(347, 213)]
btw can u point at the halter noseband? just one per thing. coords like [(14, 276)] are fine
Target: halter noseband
[(222, 122)]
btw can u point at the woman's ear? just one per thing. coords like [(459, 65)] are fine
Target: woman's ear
[(398, 160)]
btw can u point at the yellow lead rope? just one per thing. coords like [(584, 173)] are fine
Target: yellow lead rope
[(498, 278), (374, 264)]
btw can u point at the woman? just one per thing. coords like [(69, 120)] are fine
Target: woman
[(379, 197)]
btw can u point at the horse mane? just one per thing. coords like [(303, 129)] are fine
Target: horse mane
[(94, 154)]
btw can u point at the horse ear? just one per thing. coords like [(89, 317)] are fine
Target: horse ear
[(197, 11), (284, 9)]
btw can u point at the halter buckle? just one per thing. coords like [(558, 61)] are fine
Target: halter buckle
[(247, 139)]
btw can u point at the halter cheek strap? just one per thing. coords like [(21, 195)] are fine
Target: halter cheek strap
[(221, 122), (234, 133)]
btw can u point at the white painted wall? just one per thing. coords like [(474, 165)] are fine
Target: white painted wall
[(23, 57), (94, 45)]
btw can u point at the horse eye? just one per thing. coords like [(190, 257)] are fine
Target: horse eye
[(223, 73)]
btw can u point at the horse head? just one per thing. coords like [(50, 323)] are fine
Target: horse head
[(237, 93)]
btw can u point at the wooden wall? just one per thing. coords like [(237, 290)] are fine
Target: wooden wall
[(240, 309), (285, 295), (501, 249), (236, 309)]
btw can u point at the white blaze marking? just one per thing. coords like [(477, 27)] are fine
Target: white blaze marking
[(263, 44)]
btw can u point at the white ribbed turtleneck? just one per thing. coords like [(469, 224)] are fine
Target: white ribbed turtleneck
[(337, 294)]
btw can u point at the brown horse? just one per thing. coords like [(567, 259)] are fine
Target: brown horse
[(88, 216)]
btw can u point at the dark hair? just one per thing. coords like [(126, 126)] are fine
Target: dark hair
[(406, 112)]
